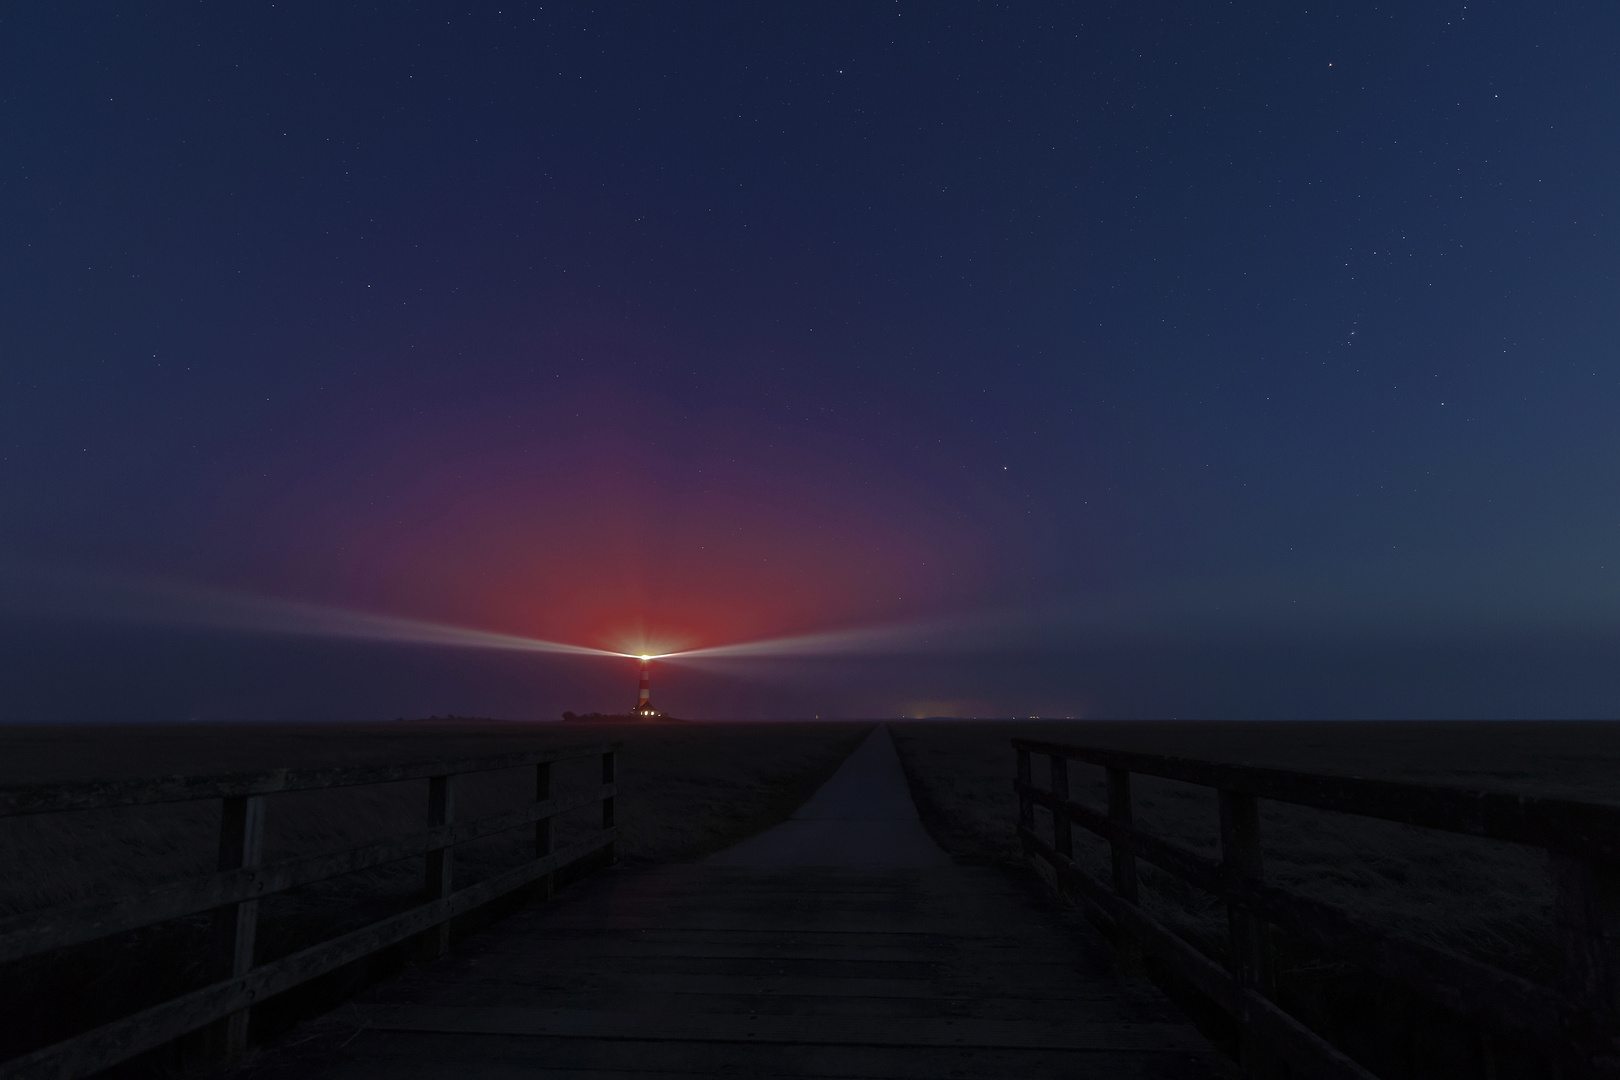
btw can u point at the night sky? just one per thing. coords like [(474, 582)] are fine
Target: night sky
[(1094, 360)]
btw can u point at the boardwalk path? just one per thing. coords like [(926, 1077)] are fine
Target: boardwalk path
[(842, 943)]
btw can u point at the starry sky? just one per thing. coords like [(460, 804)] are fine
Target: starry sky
[(1094, 360)]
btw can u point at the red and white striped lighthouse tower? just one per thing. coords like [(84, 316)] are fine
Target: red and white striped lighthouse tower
[(643, 702)]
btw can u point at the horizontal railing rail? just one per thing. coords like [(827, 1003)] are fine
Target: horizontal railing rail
[(1573, 1024), (26, 935), (1466, 986), (1562, 825), (233, 893), (97, 794)]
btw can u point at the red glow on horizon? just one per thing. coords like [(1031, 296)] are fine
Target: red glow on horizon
[(654, 543)]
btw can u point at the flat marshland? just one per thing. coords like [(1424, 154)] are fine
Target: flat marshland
[(685, 790)]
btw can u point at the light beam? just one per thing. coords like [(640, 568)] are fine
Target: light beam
[(112, 600)]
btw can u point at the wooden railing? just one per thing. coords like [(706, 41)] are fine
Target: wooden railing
[(1572, 1027), (233, 894)]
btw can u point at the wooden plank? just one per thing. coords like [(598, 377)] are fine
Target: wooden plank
[(440, 862), (554, 931), (123, 1039), (1187, 865), (1120, 824), (960, 991), (36, 932), (1298, 1045), (710, 949), (576, 981), (755, 966), (563, 926), (1590, 829), (844, 922), (963, 1033), (394, 1055), (241, 846), (571, 939), (609, 777), (544, 828), (1586, 909), (1248, 937), (93, 794), (1062, 834), (1476, 990), (1027, 959), (807, 943), (674, 999), (1470, 988), (1025, 781), (1019, 979)]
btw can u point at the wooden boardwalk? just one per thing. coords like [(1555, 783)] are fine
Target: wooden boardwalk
[(770, 960)]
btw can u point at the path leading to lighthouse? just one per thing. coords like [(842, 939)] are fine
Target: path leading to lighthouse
[(842, 943), (862, 817)]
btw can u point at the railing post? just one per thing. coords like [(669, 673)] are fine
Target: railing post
[(1062, 832), (609, 772), (1249, 937), (440, 862), (1119, 816), (543, 831), (1586, 907), (1127, 952), (241, 845), (1026, 805)]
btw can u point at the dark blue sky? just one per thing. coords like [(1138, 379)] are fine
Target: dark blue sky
[(1186, 359)]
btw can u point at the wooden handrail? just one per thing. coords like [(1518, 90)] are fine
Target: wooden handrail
[(233, 893), (1572, 1025), (122, 1039), (1575, 828), (32, 933), (1315, 1055), (97, 794), (1474, 989)]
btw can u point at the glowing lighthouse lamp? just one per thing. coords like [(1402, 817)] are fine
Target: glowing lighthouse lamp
[(644, 707)]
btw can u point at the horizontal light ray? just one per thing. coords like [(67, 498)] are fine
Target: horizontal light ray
[(921, 637), (106, 600), (315, 620)]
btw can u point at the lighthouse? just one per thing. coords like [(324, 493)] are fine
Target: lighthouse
[(644, 708)]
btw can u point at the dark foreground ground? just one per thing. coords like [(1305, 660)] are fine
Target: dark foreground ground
[(843, 943), (692, 789), (692, 970), (1486, 900), (686, 790)]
